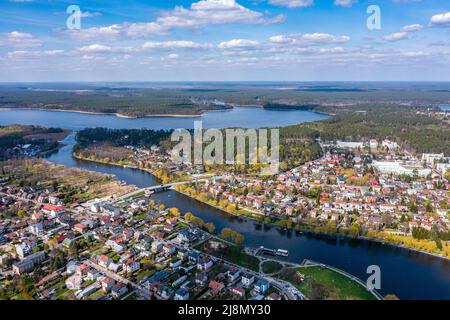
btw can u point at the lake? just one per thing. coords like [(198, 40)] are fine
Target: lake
[(408, 274), (237, 117)]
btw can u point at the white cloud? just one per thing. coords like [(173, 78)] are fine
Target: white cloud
[(333, 50), (412, 27), (95, 48), (88, 14), (292, 3), (16, 39), (99, 48), (34, 54), (87, 57), (199, 14), (238, 44), (442, 19), (180, 44), (172, 56), (104, 33), (397, 36), (405, 33), (415, 54), (344, 3), (309, 39)]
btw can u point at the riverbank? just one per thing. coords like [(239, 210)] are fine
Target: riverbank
[(245, 213), (383, 241), (305, 229), (78, 157)]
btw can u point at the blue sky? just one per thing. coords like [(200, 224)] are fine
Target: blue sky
[(225, 40)]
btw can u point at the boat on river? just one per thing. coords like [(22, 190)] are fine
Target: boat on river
[(273, 252)]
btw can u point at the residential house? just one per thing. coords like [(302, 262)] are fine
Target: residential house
[(201, 278), (238, 291), (119, 290), (131, 265), (104, 261), (169, 249), (167, 292), (107, 284), (205, 264), (233, 274), (28, 263), (247, 279), (216, 287), (74, 282), (181, 294), (262, 286)]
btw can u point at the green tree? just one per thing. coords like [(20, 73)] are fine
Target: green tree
[(210, 227)]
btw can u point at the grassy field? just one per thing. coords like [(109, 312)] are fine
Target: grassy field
[(270, 267), (323, 283)]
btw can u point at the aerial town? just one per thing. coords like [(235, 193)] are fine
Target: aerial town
[(132, 247), (224, 158), (129, 249), (383, 191)]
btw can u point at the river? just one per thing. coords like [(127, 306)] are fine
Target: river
[(408, 274)]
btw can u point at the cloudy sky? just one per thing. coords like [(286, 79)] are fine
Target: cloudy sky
[(224, 40)]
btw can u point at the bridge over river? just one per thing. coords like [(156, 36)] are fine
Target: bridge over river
[(163, 187)]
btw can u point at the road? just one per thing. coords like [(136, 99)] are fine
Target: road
[(142, 291)]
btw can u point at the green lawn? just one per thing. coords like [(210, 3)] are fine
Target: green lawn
[(270, 267), (133, 296), (145, 274), (323, 283)]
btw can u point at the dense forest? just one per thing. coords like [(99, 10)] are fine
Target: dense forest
[(141, 99), (129, 102), (123, 137), (107, 143), (413, 131)]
